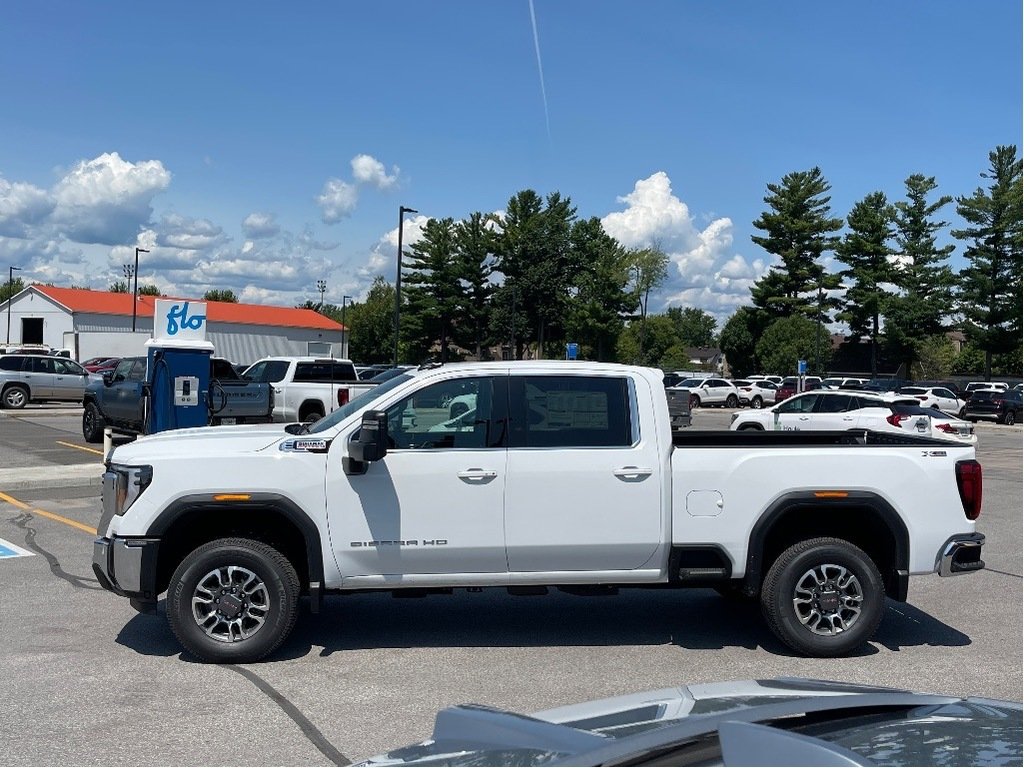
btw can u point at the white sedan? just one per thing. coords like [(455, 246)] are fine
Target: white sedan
[(937, 397)]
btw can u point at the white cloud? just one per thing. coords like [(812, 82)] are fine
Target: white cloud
[(176, 231), (22, 206), (369, 170), (260, 225), (107, 200), (337, 200), (702, 273)]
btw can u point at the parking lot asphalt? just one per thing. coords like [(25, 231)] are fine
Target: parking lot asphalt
[(88, 681)]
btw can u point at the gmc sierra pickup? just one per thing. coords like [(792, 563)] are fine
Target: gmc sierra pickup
[(526, 476), (307, 388)]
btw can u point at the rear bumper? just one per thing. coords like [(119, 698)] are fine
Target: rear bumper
[(127, 567), (960, 554)]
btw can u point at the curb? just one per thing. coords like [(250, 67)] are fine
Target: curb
[(52, 476)]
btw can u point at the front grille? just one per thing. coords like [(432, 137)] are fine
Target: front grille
[(109, 495)]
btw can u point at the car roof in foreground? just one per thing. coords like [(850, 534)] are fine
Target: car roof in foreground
[(786, 721)]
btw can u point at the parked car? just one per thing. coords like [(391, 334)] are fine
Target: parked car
[(98, 364), (937, 397), (788, 387), (307, 388), (838, 410), (756, 392), (952, 386), (785, 721), (28, 379), (837, 382), (710, 391), (880, 386), (1003, 407)]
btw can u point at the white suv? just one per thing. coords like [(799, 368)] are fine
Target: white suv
[(710, 391)]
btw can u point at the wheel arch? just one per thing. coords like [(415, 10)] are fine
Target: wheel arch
[(16, 385), (311, 404), (863, 518), (192, 521)]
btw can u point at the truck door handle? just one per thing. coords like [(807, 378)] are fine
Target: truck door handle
[(476, 473), (633, 472)]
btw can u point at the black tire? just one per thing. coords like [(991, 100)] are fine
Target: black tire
[(694, 402), (963, 412), (804, 569), (732, 401), (757, 402), (274, 599), (750, 428), (15, 397), (1010, 418), (310, 414), (92, 423)]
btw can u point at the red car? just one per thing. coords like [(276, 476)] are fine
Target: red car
[(101, 364), (788, 386)]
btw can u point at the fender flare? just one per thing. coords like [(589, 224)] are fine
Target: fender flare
[(796, 500), (257, 502)]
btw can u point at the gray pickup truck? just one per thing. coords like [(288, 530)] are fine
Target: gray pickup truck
[(118, 402)]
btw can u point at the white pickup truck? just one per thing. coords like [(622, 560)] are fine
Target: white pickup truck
[(307, 388), (527, 475)]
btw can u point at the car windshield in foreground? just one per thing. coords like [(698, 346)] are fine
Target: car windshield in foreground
[(357, 404)]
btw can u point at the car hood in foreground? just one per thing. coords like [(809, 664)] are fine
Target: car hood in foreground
[(725, 723)]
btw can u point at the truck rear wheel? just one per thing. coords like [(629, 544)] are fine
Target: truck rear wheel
[(233, 601), (823, 597)]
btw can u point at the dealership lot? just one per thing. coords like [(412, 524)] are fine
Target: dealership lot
[(89, 681)]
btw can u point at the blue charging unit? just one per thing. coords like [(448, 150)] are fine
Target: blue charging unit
[(178, 379)]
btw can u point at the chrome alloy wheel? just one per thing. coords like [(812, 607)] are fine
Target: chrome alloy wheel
[(828, 599), (230, 603)]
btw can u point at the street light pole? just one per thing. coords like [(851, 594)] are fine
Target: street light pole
[(344, 328), (321, 285), (135, 293), (10, 297), (402, 210)]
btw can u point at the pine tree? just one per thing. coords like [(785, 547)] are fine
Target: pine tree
[(475, 244), (433, 292), (798, 231), (920, 272), (866, 250), (989, 291)]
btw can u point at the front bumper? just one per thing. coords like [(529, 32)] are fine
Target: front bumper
[(960, 554), (127, 567)]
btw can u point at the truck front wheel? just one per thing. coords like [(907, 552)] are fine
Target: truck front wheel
[(233, 601), (823, 597), (92, 423)]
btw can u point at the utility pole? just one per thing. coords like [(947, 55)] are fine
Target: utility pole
[(344, 331), (10, 297), (321, 285), (135, 293), (402, 210), (817, 333)]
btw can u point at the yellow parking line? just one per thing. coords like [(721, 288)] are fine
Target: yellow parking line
[(44, 513), (79, 447), (14, 501)]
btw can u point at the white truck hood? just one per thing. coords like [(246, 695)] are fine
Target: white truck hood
[(200, 441)]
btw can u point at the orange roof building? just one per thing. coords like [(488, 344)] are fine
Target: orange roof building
[(95, 323)]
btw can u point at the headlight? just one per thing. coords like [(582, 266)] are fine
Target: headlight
[(129, 484)]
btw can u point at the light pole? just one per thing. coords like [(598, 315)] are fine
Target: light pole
[(321, 285), (135, 293), (402, 210), (344, 328), (10, 297)]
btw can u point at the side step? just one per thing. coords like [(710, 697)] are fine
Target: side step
[(695, 574)]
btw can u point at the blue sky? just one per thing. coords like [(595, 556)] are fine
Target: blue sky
[(260, 147)]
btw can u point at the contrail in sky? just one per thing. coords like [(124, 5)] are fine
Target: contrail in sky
[(540, 69)]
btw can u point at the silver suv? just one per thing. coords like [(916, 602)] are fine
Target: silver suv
[(37, 378)]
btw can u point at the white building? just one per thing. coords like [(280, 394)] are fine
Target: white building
[(97, 323)]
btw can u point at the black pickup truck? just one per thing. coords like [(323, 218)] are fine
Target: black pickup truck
[(118, 400)]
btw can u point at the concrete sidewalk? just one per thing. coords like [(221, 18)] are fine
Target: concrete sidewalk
[(51, 476)]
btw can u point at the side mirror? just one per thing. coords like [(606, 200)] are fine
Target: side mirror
[(371, 444), (108, 378)]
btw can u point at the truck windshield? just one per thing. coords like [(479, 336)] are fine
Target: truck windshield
[(358, 403)]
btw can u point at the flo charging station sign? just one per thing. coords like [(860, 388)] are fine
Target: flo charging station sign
[(179, 320)]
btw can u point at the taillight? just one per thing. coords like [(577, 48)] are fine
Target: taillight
[(922, 398), (968, 482), (949, 429), (343, 396), (897, 418)]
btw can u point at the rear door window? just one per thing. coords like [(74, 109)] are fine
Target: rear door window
[(833, 404), (570, 412), (10, 363)]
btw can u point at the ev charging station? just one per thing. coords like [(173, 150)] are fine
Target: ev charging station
[(178, 367)]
